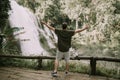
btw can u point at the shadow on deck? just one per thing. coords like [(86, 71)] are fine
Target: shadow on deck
[(13, 73)]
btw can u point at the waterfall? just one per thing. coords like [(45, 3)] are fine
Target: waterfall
[(27, 35)]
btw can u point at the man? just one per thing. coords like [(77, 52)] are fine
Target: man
[(64, 43)]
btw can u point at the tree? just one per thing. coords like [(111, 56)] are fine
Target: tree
[(54, 14), (6, 32), (4, 8)]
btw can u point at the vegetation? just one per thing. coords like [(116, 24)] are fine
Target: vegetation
[(18, 63), (55, 15), (103, 71), (8, 45), (4, 8), (29, 3)]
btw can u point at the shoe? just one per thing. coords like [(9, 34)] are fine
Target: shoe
[(66, 72), (54, 74)]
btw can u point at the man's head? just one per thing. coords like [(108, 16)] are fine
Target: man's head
[(64, 25)]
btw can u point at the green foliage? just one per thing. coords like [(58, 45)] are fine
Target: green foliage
[(92, 17), (117, 5), (86, 3), (107, 72), (18, 63), (10, 45), (32, 4), (53, 13), (21, 2), (44, 42), (48, 65), (79, 67), (4, 8)]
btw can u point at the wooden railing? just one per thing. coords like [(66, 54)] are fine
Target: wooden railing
[(93, 60)]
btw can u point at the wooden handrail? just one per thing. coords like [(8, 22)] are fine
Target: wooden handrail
[(27, 57), (111, 59)]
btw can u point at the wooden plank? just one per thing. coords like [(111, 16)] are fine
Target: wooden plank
[(93, 66), (27, 57), (111, 59), (81, 58), (43, 57), (39, 64)]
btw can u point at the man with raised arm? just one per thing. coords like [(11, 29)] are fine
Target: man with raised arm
[(64, 43)]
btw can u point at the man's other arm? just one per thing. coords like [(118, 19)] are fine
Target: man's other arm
[(80, 30), (50, 27)]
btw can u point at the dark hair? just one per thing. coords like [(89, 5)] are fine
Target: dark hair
[(64, 25)]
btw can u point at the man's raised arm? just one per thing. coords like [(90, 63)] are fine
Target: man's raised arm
[(50, 27), (80, 30)]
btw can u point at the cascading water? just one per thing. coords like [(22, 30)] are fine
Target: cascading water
[(27, 35)]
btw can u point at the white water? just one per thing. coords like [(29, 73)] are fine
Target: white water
[(28, 35)]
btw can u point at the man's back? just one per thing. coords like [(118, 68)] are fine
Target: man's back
[(64, 39)]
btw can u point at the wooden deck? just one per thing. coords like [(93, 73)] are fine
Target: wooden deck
[(13, 73)]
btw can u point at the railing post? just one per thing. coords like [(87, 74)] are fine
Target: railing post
[(93, 66), (39, 64)]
